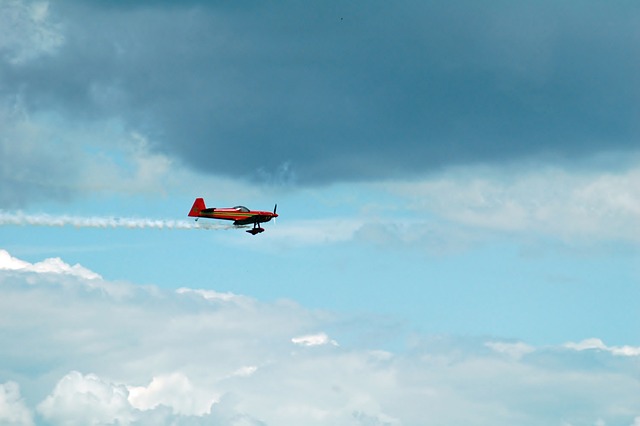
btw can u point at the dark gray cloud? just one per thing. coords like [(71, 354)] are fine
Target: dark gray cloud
[(340, 91)]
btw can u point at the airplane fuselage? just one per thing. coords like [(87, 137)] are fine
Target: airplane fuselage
[(240, 215)]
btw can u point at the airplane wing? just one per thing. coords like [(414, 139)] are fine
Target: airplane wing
[(248, 220)]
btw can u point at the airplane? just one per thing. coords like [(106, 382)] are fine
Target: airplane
[(239, 214)]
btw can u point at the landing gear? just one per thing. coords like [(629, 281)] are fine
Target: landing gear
[(256, 229)]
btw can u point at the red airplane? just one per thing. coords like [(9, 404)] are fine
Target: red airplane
[(239, 214)]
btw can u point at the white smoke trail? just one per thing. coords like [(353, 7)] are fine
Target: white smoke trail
[(22, 219)]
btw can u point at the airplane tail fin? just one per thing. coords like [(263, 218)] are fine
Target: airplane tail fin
[(197, 207)]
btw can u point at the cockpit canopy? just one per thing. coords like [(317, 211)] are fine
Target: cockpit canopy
[(242, 209)]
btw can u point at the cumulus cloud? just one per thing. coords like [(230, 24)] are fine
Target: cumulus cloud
[(13, 409), (86, 400), (142, 355), (175, 391), (52, 266)]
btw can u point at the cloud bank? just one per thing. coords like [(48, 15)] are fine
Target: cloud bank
[(80, 350), (570, 205), (316, 94)]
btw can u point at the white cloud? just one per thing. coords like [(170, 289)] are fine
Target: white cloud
[(213, 295), (245, 371), (149, 356), (550, 201), (57, 266), (8, 262), (47, 266), (175, 391), (515, 350), (597, 344), (86, 400), (319, 339), (13, 410), (295, 233), (470, 205)]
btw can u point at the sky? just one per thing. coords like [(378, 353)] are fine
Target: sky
[(458, 190)]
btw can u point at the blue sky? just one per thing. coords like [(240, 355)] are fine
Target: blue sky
[(459, 195)]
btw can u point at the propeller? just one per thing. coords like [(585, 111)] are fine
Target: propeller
[(274, 212)]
